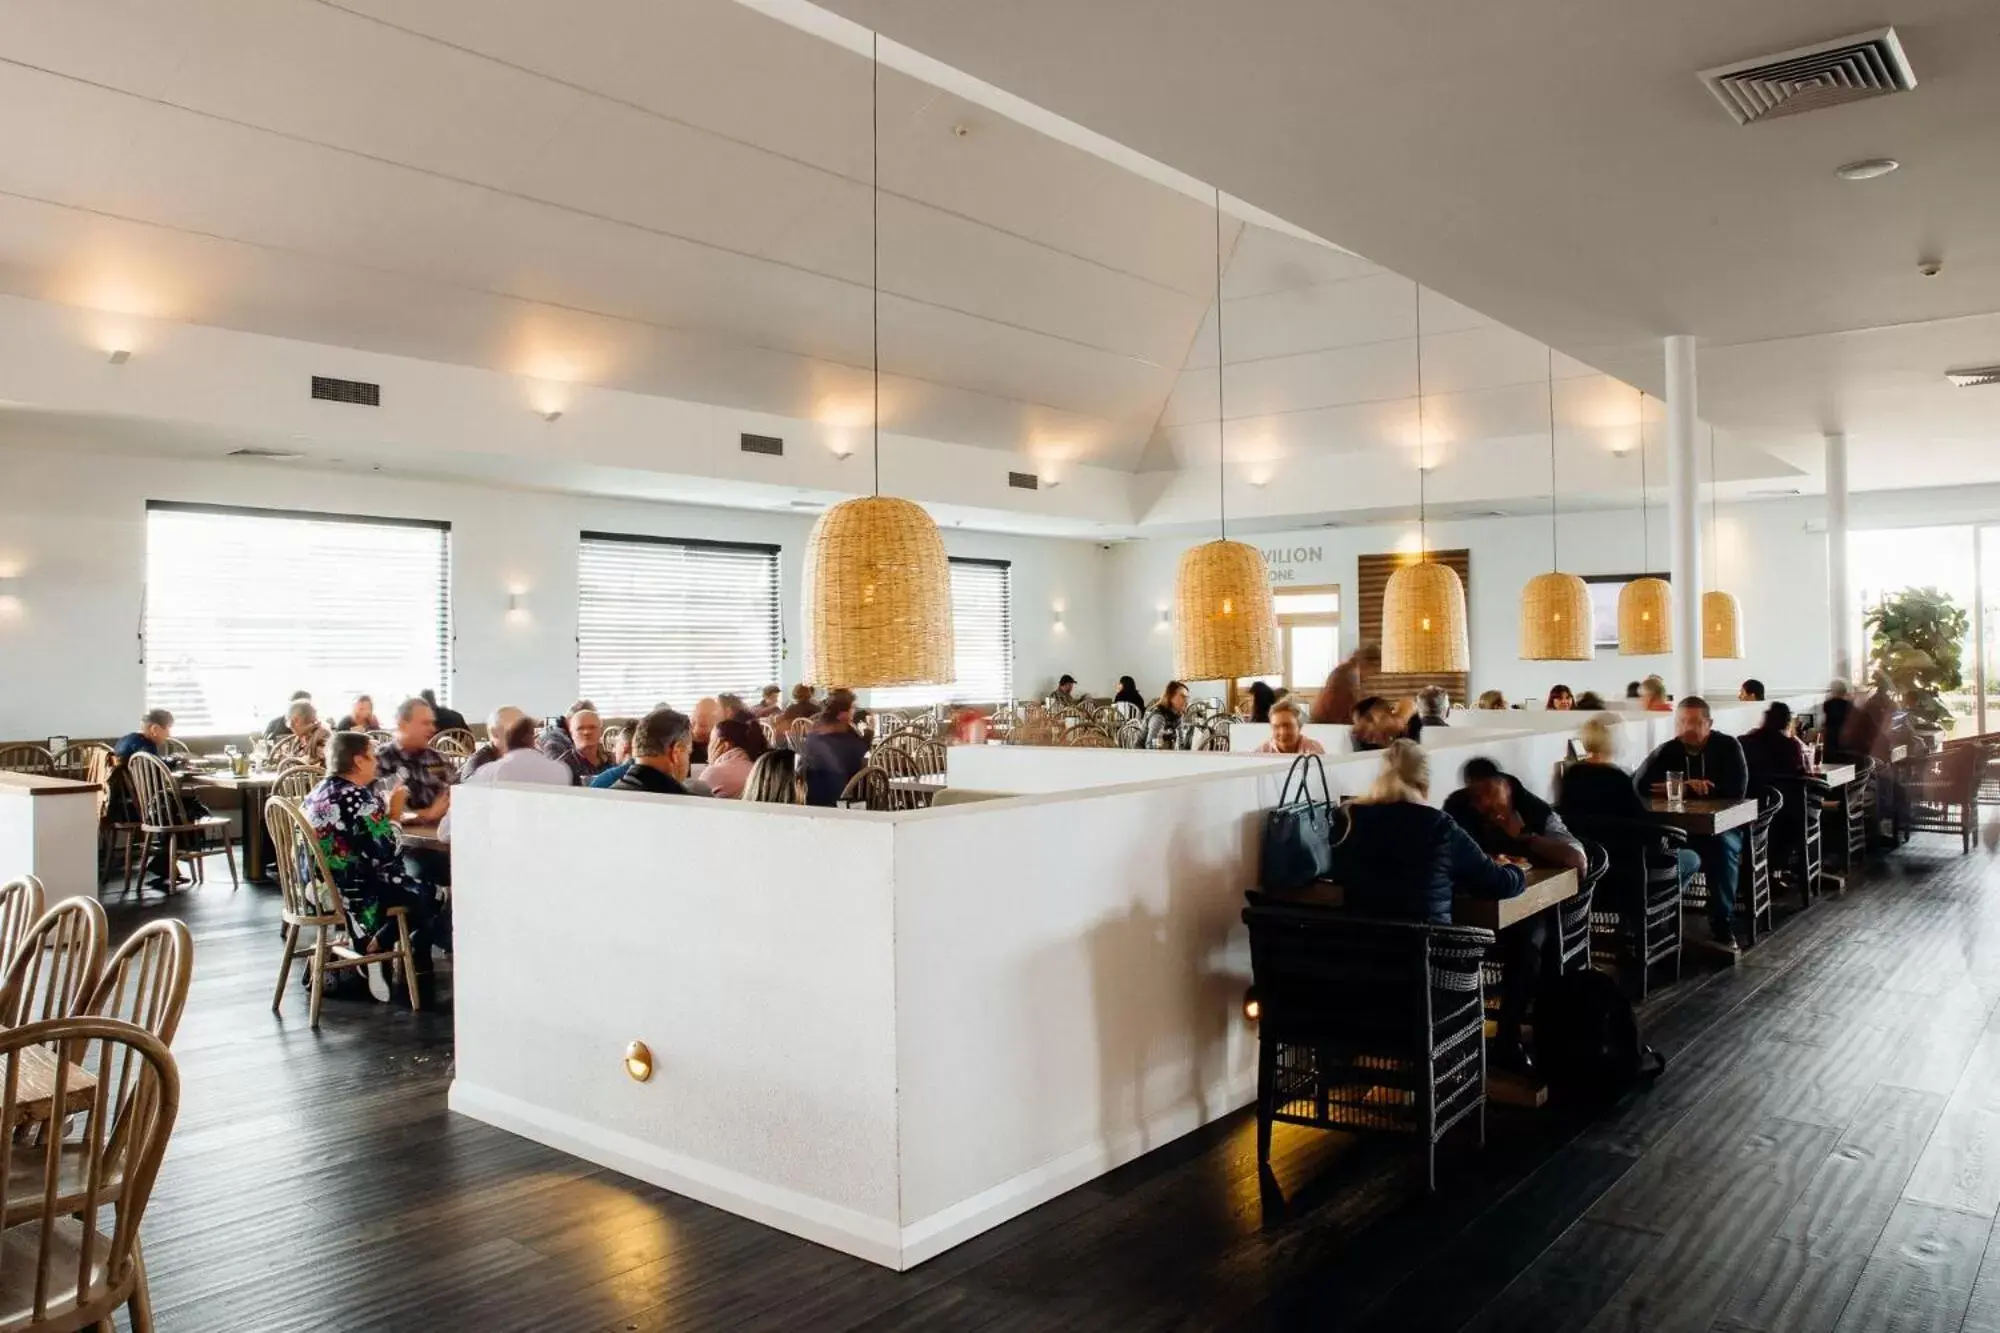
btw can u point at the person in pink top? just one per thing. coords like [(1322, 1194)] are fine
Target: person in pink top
[(733, 749), (1288, 731)]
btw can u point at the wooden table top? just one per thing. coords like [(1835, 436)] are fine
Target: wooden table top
[(41, 784), (35, 1086), (931, 784), (1705, 817), (232, 781), (1836, 775), (1547, 886), (424, 837)]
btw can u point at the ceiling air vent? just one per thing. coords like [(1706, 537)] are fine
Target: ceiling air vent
[(274, 455), (764, 444), (1848, 69), (1024, 481), (1974, 376), (330, 390)]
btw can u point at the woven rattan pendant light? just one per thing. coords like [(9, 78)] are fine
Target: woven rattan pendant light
[(1224, 624), (877, 581), (1555, 607), (1645, 606), (1721, 618), (1423, 606)]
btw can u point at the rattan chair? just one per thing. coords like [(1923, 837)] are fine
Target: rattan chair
[(1132, 736), (1635, 918), (119, 1091), (56, 967), (20, 908), (1367, 1025), (1943, 794), (456, 743), (27, 757), (146, 981), (164, 817), (294, 783), (312, 902), (869, 789), (1089, 737)]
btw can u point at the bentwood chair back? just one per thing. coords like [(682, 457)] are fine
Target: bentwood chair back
[(930, 759), (294, 783), (57, 965), (1089, 737), (114, 1090), (288, 749), (380, 737), (27, 758), (869, 789), (146, 981), (457, 743), (179, 749), (78, 758), (795, 731), (313, 902), (20, 908), (163, 817), (1132, 735)]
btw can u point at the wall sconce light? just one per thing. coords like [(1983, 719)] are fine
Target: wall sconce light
[(10, 597), (1165, 619), (639, 1061), (1059, 620), (120, 355), (517, 606)]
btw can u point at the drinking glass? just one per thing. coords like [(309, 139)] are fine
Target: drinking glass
[(1676, 789)]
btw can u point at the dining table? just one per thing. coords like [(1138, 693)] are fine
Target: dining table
[(423, 837), (252, 790), (1704, 817), (1546, 887)]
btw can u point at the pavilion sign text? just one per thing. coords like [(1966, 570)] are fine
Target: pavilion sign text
[(1283, 561)]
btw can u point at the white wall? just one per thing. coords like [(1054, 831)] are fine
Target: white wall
[(1773, 557), (73, 533)]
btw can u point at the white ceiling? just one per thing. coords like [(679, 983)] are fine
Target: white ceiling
[(1560, 167)]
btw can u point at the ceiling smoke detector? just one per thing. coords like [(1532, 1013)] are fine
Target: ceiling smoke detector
[(1974, 376), (1847, 69)]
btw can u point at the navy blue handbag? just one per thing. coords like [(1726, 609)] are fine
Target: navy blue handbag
[(1299, 833)]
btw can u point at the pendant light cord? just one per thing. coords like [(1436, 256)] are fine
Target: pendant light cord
[(875, 238), (1555, 537), (1714, 514), (1423, 533), (1645, 525), (1221, 416)]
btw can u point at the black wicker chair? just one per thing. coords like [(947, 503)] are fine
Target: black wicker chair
[(1367, 1025), (1635, 914), (1943, 792), (1753, 889), (1573, 917), (1795, 836)]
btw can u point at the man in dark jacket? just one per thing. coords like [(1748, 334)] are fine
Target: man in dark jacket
[(1715, 770), (448, 719), (662, 746)]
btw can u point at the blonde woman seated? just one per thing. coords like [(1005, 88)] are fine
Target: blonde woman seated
[(1491, 700), (1288, 731), (1405, 859), (1653, 695)]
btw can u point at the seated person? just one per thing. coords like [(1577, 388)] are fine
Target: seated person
[(498, 723), (1590, 699), (768, 705), (1163, 719), (737, 744), (1560, 699), (1491, 701), (555, 739), (1288, 731), (362, 718), (833, 751), (447, 719), (802, 705), (302, 724), (1405, 860), (155, 729), (1713, 766), (1375, 724), (1833, 718), (1653, 696), (1128, 693), (1259, 701), (1772, 751), (1433, 708), (358, 839), (662, 746), (1506, 819), (621, 757), (1750, 691), (276, 728), (416, 782), (777, 778), (519, 760), (585, 757), (1064, 695), (707, 712)]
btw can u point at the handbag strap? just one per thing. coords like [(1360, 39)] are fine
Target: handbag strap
[(1303, 768)]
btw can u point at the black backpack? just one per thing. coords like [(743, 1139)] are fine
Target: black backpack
[(1587, 1040)]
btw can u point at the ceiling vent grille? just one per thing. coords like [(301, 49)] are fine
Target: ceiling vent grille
[(330, 390), (1024, 481), (1973, 377), (764, 444), (1848, 69)]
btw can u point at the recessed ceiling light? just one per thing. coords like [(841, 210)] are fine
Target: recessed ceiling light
[(1867, 169)]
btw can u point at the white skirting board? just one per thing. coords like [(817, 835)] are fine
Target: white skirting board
[(873, 1239)]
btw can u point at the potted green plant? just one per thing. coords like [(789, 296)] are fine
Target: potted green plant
[(1915, 639)]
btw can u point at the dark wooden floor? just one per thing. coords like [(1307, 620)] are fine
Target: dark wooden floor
[(1823, 1154)]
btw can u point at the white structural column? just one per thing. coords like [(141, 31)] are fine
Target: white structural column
[(1839, 597), (1684, 514)]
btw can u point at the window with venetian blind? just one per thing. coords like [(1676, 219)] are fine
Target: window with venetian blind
[(666, 620), (982, 613), (245, 606)]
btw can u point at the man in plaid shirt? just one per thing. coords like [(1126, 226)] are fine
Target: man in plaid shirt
[(415, 779)]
